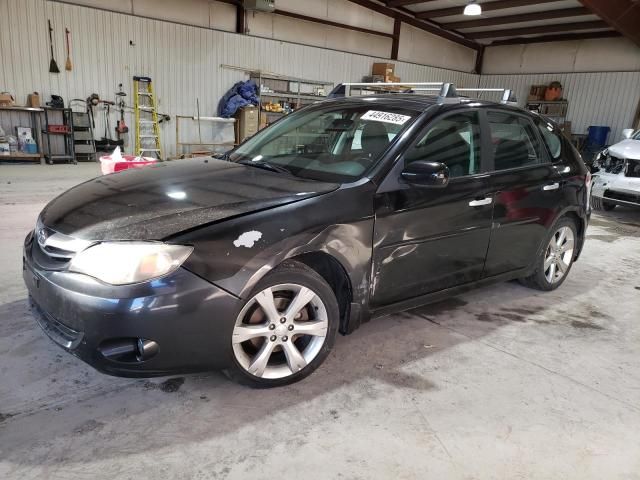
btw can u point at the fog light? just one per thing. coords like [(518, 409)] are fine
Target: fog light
[(146, 349)]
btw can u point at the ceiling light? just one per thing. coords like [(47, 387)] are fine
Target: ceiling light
[(472, 8)]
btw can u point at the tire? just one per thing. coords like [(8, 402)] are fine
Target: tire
[(557, 251), (269, 331), (599, 204)]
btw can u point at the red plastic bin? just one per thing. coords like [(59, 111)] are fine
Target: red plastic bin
[(111, 165)]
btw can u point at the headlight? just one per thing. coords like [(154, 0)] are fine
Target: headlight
[(120, 263)]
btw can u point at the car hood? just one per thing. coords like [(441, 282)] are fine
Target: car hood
[(159, 201), (626, 149)]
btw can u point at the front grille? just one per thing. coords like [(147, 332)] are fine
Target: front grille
[(625, 197), (53, 250)]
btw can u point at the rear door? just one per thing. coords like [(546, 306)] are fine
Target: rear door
[(428, 239), (526, 188)]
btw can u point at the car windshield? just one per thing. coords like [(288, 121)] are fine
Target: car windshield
[(328, 142)]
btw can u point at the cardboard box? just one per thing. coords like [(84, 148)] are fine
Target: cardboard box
[(33, 100), (383, 69), (6, 100), (247, 122), (536, 92)]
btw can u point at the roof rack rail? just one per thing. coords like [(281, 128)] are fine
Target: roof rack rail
[(446, 92), (345, 89)]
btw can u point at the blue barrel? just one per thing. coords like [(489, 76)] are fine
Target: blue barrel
[(597, 136)]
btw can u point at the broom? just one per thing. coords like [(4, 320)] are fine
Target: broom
[(68, 65), (53, 66)]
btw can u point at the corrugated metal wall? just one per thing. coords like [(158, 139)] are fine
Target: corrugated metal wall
[(183, 61), (185, 65), (607, 98)]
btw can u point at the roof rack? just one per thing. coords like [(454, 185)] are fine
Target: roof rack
[(447, 92)]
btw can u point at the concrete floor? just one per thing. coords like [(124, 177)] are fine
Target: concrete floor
[(501, 383)]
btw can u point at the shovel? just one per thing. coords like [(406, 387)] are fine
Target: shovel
[(53, 66), (68, 66)]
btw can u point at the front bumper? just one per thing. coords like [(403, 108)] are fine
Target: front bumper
[(190, 319), (617, 188)]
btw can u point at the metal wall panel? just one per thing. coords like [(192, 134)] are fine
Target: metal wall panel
[(603, 98), (183, 61)]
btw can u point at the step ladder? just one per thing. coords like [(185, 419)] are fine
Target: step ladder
[(146, 118)]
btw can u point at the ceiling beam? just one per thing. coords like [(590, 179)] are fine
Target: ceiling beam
[(402, 3), (525, 17), (562, 27), (486, 7), (555, 38), (395, 44), (623, 15), (333, 24), (413, 21)]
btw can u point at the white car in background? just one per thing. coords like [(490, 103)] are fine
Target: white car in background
[(616, 174)]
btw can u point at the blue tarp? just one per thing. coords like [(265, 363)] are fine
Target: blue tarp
[(238, 96)]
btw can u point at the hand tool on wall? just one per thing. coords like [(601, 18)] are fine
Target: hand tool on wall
[(53, 66), (121, 128), (68, 66)]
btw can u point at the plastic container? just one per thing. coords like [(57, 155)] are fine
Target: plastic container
[(117, 162), (597, 135), (30, 147)]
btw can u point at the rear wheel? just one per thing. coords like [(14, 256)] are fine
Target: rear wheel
[(555, 260), (285, 330)]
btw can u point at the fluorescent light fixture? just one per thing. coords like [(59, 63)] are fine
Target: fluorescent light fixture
[(472, 9)]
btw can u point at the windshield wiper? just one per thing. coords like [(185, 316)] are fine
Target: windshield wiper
[(265, 166)]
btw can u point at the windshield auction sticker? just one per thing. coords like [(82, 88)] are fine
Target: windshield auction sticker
[(385, 117)]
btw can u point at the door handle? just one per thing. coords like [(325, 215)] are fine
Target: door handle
[(552, 186), (481, 202)]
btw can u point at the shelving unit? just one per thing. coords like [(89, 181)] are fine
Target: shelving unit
[(556, 109), (294, 91), (67, 136), (34, 115), (84, 145), (185, 147)]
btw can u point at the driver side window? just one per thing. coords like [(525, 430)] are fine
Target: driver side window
[(454, 141)]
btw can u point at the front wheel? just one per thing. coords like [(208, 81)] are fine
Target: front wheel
[(555, 260), (285, 330)]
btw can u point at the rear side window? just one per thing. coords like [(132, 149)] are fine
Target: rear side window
[(551, 139), (454, 141), (515, 143)]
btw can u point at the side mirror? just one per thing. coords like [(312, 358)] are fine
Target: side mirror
[(426, 174), (627, 132)]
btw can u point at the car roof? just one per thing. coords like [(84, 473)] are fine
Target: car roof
[(416, 102)]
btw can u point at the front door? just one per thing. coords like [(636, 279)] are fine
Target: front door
[(527, 191), (428, 239)]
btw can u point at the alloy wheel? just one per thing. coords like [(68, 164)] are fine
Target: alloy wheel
[(559, 254), (280, 331)]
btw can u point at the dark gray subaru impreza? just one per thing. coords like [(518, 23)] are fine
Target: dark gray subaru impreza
[(344, 210)]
